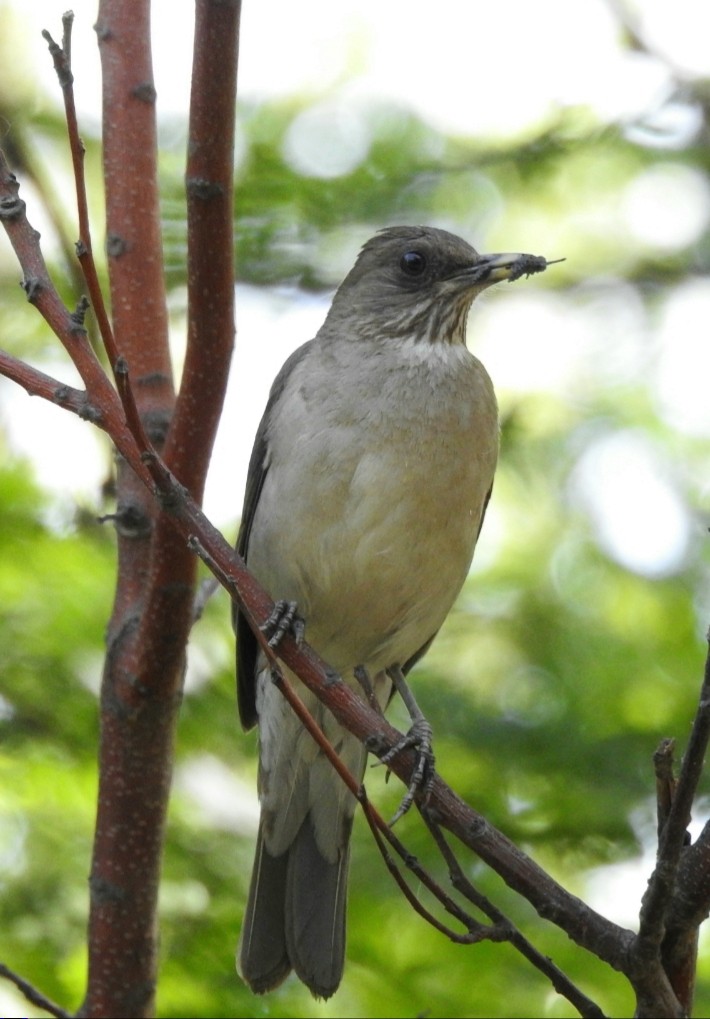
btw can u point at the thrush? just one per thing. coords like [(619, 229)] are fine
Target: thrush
[(368, 482)]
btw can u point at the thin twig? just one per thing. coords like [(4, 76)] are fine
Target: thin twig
[(133, 417), (37, 383), (657, 899), (61, 56), (41, 291), (34, 996), (475, 931), (665, 781), (559, 980)]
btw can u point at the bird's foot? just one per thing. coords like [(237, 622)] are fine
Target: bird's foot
[(419, 738), (284, 619)]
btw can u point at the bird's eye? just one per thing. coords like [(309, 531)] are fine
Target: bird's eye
[(413, 263)]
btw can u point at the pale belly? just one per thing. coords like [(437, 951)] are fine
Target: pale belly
[(374, 551)]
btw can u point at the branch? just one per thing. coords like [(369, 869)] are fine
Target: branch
[(691, 902), (36, 383), (152, 611), (475, 931), (210, 240), (665, 781), (40, 290), (673, 835), (562, 984), (61, 56), (34, 996), (678, 898)]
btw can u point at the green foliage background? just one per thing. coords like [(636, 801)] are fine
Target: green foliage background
[(551, 685)]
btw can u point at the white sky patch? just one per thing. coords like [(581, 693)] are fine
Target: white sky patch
[(525, 342), (69, 456), (667, 206), (630, 496), (683, 367), (678, 30), (13, 1005), (448, 69), (221, 799), (327, 140)]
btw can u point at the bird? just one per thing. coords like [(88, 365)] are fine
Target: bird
[(366, 490)]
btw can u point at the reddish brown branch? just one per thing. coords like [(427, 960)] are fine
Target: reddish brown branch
[(210, 243), (36, 383), (61, 56), (130, 155), (41, 291), (151, 616)]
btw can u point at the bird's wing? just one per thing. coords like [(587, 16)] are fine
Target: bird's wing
[(411, 662), (247, 647)]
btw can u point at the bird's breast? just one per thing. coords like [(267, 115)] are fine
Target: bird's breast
[(372, 502)]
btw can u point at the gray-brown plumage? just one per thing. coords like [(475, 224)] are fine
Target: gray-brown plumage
[(367, 486)]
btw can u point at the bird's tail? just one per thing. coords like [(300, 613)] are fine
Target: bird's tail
[(295, 916)]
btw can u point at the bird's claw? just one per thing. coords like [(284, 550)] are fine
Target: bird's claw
[(283, 619), (419, 738)]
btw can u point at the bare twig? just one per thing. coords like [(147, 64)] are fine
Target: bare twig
[(133, 417), (559, 980), (61, 56), (475, 931), (665, 781), (673, 836), (690, 899), (37, 383), (31, 993), (41, 291)]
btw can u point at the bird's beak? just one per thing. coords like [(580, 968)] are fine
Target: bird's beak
[(509, 266)]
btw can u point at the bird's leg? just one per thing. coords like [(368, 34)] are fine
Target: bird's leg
[(419, 738), (363, 677), (283, 619)]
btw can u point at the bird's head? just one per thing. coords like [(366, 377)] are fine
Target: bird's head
[(419, 282)]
